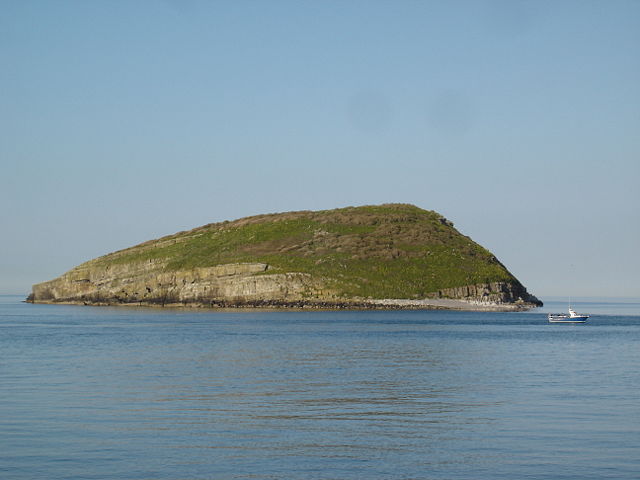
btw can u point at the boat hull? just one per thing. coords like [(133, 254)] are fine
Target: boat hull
[(567, 321), (567, 318)]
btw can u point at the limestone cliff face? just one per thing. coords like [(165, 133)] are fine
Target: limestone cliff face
[(147, 283), (351, 257), (244, 284)]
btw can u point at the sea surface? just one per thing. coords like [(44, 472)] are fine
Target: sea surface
[(126, 393)]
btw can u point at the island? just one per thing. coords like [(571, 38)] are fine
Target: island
[(369, 257)]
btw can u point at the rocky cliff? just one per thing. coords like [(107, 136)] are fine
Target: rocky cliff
[(357, 257)]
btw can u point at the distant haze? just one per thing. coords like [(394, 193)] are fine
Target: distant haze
[(518, 121)]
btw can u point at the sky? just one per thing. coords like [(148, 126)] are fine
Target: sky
[(519, 121)]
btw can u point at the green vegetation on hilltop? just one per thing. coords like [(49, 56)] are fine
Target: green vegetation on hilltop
[(385, 251)]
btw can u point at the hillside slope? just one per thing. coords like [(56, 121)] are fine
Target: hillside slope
[(350, 257)]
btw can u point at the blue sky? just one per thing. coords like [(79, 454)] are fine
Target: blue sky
[(519, 121)]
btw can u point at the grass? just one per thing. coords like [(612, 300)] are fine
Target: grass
[(385, 251)]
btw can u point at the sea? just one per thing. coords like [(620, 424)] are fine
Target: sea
[(142, 393)]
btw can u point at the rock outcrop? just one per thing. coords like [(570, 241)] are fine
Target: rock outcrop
[(348, 258), (495, 292)]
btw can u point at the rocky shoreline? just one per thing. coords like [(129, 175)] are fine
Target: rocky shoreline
[(382, 304)]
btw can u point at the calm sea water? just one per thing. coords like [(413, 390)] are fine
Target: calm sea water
[(106, 393)]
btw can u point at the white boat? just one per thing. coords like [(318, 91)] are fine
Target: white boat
[(573, 317)]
